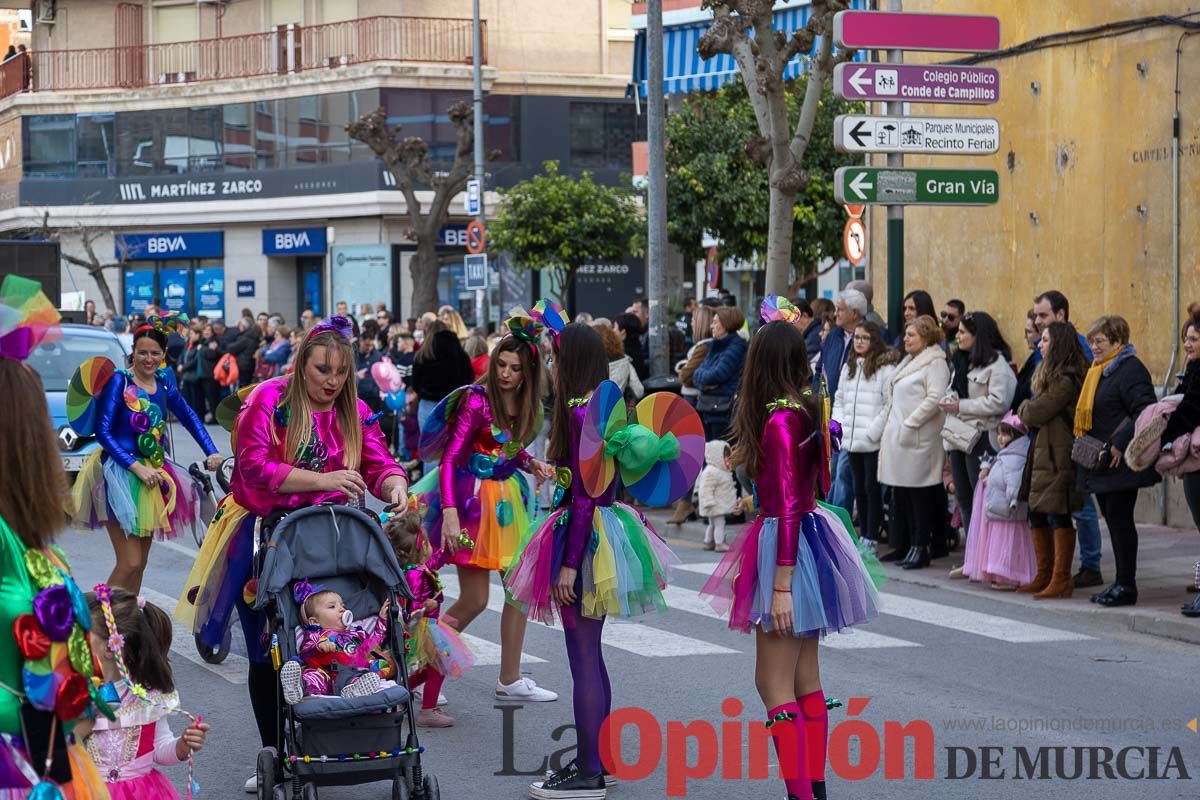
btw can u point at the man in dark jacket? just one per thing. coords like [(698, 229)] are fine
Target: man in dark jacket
[(242, 343), (852, 309), (811, 327)]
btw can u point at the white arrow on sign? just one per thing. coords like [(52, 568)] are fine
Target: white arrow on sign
[(857, 185), (858, 81)]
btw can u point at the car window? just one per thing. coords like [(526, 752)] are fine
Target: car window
[(57, 361)]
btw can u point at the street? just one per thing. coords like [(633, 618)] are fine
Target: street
[(981, 674)]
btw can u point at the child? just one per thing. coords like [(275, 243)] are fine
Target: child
[(435, 650), (336, 656), (718, 493), (133, 658), (1000, 544)]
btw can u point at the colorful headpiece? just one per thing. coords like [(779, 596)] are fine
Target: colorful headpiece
[(340, 325), (165, 323), (551, 315), (304, 589), (27, 318), (775, 308), (522, 325)]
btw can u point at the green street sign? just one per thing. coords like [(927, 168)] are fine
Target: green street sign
[(916, 187)]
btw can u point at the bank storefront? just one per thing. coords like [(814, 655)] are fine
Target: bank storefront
[(180, 271)]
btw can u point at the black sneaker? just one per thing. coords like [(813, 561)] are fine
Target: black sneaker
[(568, 783), (1088, 577), (609, 780)]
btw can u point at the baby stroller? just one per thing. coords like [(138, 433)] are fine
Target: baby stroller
[(208, 504), (339, 741)]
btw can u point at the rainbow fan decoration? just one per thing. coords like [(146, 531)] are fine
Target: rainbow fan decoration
[(551, 315), (436, 429), (86, 384), (227, 409), (776, 308), (27, 317), (667, 480), (604, 418)]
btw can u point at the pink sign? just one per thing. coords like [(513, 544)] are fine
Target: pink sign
[(885, 30)]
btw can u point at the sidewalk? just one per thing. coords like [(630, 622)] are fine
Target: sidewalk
[(1165, 566)]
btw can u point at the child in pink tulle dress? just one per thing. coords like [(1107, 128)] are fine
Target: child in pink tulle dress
[(999, 542)]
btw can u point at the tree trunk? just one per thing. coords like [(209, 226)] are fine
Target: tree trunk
[(779, 241), (105, 292), (424, 269)]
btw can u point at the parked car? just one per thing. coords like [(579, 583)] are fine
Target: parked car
[(56, 362)]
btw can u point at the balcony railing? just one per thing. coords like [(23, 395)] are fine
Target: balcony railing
[(287, 49)]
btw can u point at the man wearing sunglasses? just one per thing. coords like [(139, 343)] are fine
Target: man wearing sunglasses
[(952, 315)]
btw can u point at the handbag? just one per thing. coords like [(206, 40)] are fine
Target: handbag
[(1091, 453), (959, 435), (718, 405)]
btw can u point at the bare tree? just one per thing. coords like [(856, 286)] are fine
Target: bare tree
[(742, 29), (92, 263), (407, 158)]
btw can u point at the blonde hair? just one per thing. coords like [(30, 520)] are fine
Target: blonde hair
[(454, 322), (927, 329), (299, 407)]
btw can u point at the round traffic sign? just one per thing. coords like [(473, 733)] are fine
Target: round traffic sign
[(855, 210), (854, 240), (476, 237)]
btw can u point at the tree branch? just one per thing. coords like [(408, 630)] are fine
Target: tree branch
[(818, 74)]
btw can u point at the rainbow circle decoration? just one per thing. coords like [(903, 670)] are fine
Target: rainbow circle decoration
[(86, 384), (666, 481), (604, 417), (777, 308)]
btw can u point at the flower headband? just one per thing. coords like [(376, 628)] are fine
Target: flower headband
[(551, 315), (775, 308), (304, 589), (27, 318), (340, 325)]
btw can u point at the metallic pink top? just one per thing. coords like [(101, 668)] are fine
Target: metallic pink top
[(470, 434), (787, 475), (261, 465)]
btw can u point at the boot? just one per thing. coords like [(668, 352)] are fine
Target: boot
[(684, 510), (1043, 545), (1061, 584)]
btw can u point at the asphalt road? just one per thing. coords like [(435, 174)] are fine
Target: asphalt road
[(970, 673)]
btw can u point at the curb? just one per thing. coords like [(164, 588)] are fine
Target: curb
[(1148, 622)]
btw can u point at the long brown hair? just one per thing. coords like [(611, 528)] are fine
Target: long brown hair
[(295, 399), (878, 353), (580, 366), (1065, 357), (33, 486), (612, 342), (529, 393), (779, 365), (147, 634)]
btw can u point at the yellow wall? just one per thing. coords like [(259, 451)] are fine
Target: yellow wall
[(1082, 154)]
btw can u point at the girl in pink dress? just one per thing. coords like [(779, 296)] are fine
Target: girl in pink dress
[(1000, 542)]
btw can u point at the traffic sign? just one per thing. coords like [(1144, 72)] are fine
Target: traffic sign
[(475, 271), (854, 240), (917, 83), (969, 136), (472, 201), (890, 30), (921, 187), (476, 237)]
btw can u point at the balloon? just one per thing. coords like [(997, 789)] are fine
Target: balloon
[(395, 401), (386, 376)]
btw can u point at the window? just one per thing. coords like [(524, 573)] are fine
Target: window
[(286, 11), (50, 145), (205, 139), (136, 143), (361, 103), (238, 136), (175, 140), (175, 23), (601, 135), (269, 137), (96, 145)]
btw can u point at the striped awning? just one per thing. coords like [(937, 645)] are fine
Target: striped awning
[(685, 71)]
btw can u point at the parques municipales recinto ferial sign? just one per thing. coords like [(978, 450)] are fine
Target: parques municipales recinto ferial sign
[(861, 133)]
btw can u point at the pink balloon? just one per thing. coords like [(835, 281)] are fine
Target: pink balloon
[(386, 376)]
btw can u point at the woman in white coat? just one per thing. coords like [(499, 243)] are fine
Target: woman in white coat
[(983, 384), (911, 455), (859, 407)]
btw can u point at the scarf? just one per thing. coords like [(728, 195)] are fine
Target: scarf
[(1087, 395)]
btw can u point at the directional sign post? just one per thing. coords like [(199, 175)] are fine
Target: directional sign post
[(970, 136), (917, 83), (475, 271), (921, 187), (887, 30)]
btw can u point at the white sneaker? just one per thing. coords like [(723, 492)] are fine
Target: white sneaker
[(525, 691), (419, 693), (291, 680), (362, 686), (252, 784)]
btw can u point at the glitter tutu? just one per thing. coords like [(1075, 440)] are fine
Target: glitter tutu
[(106, 492), (435, 644), (494, 514)]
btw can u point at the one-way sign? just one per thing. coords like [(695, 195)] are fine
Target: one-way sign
[(858, 133)]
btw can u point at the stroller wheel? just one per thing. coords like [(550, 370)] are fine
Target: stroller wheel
[(210, 655), (266, 773), (432, 792), (400, 790)]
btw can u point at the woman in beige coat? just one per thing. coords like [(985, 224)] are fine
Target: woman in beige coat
[(911, 455)]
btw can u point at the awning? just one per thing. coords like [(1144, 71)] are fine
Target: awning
[(685, 71)]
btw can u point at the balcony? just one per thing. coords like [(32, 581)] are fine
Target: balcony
[(286, 50)]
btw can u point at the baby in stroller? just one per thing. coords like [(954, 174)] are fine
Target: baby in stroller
[(336, 655)]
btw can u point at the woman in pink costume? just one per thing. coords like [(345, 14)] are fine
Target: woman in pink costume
[(794, 574), (478, 504), (299, 440)]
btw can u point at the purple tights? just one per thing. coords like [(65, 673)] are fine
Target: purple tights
[(592, 695)]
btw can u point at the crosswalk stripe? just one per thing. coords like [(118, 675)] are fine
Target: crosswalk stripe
[(633, 637), (681, 599), (487, 654), (233, 669), (942, 615)]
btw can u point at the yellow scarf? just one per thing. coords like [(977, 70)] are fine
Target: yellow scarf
[(1087, 395)]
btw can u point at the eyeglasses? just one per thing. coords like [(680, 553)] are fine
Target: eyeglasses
[(859, 338)]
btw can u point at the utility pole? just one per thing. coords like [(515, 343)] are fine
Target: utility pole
[(477, 62), (895, 217), (656, 203)]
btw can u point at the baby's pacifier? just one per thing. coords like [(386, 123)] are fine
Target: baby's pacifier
[(347, 618)]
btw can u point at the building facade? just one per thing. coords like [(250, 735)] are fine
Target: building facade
[(205, 143)]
